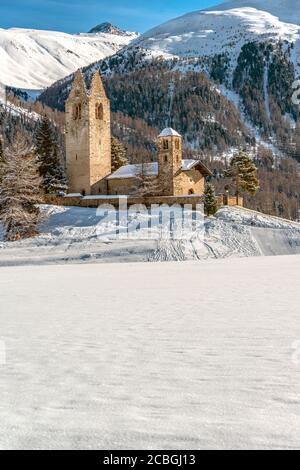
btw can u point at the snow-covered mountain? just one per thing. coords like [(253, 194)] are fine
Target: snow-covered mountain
[(34, 59), (109, 29), (287, 11), (223, 29)]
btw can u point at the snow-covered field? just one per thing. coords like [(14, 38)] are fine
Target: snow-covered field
[(75, 235), (151, 355)]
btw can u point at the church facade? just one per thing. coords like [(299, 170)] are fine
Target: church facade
[(88, 152)]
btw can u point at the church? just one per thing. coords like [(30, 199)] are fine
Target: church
[(88, 151)]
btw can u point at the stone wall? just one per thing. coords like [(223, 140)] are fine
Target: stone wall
[(121, 186), (185, 183), (92, 201), (189, 182)]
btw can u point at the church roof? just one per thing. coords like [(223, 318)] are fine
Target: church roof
[(151, 169), (131, 171), (169, 132)]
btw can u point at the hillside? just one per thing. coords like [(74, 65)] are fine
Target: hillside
[(162, 97), (76, 235), (34, 59)]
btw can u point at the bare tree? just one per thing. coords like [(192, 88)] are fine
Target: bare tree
[(20, 191), (145, 183)]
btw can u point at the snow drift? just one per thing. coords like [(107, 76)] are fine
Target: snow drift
[(75, 235)]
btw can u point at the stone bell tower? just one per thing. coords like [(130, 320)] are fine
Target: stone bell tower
[(88, 137), (169, 160)]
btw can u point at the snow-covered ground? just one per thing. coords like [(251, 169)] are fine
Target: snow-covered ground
[(153, 356), (34, 59), (77, 235)]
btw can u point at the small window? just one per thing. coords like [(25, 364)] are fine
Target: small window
[(99, 111), (77, 112), (166, 158), (76, 157), (166, 144), (177, 144)]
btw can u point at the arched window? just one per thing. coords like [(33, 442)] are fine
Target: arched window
[(177, 144), (166, 144), (77, 112), (99, 111)]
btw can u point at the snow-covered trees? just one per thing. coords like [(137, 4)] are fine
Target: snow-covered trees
[(118, 154), (210, 200), (244, 173), (51, 170), (19, 190)]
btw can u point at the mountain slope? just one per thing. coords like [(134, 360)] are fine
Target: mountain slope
[(206, 33), (33, 59), (287, 11)]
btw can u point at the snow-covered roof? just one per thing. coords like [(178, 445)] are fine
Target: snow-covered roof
[(131, 171), (73, 195), (151, 169), (169, 132), (188, 164), (101, 197)]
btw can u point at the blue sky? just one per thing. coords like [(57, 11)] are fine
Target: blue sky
[(79, 15)]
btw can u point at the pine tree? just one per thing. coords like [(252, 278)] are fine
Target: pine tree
[(210, 200), (53, 175), (19, 191), (118, 154), (244, 173)]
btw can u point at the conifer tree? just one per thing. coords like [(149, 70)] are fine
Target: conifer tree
[(19, 191), (210, 200), (244, 173), (51, 170), (118, 154)]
